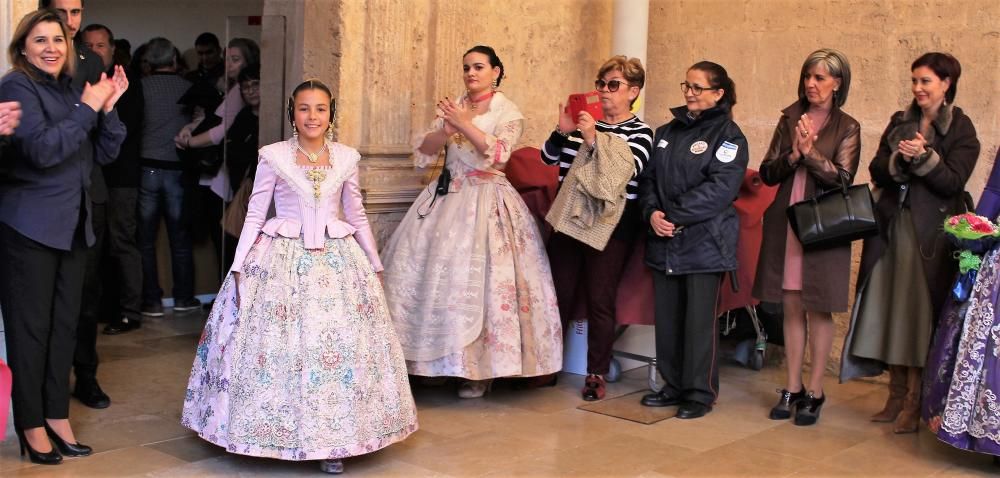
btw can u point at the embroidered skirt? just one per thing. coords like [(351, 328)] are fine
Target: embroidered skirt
[(307, 366)]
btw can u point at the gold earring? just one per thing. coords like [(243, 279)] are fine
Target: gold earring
[(329, 132), (295, 131), (494, 84)]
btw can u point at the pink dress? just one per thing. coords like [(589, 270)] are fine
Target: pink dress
[(792, 276), (306, 364), (468, 281)]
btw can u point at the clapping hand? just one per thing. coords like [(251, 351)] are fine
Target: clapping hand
[(98, 94), (121, 86), (455, 115), (913, 148), (10, 117), (805, 135)]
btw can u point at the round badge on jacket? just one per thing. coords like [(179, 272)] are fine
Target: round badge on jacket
[(726, 152), (699, 147)]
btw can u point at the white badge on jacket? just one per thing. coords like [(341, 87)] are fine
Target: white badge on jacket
[(699, 147), (727, 152)]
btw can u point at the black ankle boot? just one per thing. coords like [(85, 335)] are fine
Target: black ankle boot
[(786, 404), (66, 448), (50, 458), (808, 411)]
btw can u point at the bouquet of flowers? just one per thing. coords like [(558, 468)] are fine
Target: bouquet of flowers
[(973, 235)]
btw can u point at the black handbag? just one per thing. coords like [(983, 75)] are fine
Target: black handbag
[(834, 217)]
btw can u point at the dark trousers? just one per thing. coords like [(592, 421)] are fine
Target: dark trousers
[(686, 336), (85, 356), (582, 273), (40, 292), (209, 222), (124, 264), (162, 193)]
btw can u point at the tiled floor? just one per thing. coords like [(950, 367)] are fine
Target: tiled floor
[(508, 433)]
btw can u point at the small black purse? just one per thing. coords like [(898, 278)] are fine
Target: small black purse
[(835, 217)]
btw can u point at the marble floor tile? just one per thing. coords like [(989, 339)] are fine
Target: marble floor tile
[(523, 433)]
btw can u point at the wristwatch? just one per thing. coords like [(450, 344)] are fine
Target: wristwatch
[(560, 133)]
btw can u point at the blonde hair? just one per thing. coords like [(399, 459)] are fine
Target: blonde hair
[(18, 42), (631, 69)]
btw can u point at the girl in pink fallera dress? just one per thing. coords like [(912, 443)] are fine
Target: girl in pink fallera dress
[(298, 359)]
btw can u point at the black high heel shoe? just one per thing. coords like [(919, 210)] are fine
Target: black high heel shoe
[(808, 411), (50, 458), (786, 404), (66, 448)]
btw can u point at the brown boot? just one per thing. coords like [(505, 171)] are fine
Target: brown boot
[(909, 417), (897, 391)]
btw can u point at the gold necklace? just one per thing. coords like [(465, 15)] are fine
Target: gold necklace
[(317, 176), (312, 157)]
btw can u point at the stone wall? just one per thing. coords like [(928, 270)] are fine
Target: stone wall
[(390, 60), (762, 44)]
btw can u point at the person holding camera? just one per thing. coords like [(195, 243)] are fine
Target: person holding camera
[(815, 146), (466, 275), (582, 273)]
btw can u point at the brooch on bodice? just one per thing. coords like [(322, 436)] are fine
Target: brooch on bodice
[(317, 176)]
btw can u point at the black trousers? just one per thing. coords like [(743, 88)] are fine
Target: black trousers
[(582, 273), (85, 356), (686, 335), (40, 292), (124, 263)]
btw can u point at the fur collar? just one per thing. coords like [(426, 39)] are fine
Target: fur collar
[(943, 121)]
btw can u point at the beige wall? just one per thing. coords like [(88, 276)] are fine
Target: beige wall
[(389, 60), (762, 44)]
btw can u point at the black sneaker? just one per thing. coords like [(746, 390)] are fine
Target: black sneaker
[(124, 325), (152, 310), (187, 305)]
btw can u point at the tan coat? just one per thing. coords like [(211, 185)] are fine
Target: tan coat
[(825, 273), (592, 197)]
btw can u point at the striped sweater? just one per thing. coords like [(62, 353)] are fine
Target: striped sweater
[(638, 135)]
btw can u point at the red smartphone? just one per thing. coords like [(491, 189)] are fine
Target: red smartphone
[(589, 102)]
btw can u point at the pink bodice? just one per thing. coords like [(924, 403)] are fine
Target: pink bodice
[(331, 206)]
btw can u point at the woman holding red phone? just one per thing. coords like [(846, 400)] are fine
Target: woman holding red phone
[(580, 272)]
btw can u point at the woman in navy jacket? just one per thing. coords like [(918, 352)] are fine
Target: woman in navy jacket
[(45, 223), (686, 195)]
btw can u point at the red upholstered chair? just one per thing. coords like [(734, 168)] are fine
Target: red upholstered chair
[(536, 182)]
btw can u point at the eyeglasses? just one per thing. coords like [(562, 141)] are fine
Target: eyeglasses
[(612, 85), (695, 89), (250, 86)]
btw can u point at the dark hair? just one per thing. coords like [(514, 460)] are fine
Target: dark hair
[(836, 64), (944, 66), (48, 3), (160, 53), (719, 78), (96, 27), (19, 39), (310, 84), (492, 55), (207, 39), (251, 72), (249, 49)]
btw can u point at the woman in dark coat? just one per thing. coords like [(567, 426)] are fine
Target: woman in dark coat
[(686, 193), (814, 147), (924, 159)]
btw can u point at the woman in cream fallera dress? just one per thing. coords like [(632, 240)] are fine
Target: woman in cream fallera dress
[(304, 363), (467, 280)]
